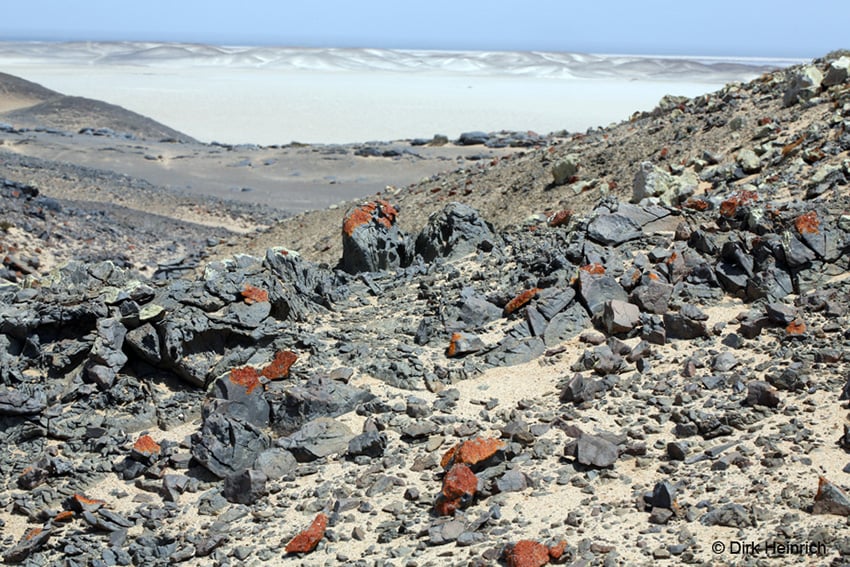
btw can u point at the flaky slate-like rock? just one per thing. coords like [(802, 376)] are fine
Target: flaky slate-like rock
[(371, 239), (318, 438), (226, 445), (455, 231)]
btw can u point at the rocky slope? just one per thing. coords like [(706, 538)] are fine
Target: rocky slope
[(625, 348), (29, 104)]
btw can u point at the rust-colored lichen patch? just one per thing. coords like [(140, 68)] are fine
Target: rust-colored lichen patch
[(246, 376), (459, 487), (306, 541), (520, 300), (808, 223), (80, 503), (560, 218), (146, 446), (64, 516), (279, 367), (595, 269), (729, 207), (472, 451), (796, 327), (697, 204), (527, 553), (253, 294), (380, 210), (452, 349), (32, 532), (788, 148), (557, 550)]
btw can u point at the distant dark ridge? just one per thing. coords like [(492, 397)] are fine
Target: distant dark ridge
[(11, 85), (72, 113)]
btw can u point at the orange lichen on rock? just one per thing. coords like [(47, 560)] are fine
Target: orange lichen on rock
[(279, 367), (560, 218), (253, 294), (81, 503), (380, 210), (796, 327), (729, 207), (788, 148), (146, 446), (557, 550), (452, 349), (459, 487), (471, 452), (32, 532), (64, 516), (527, 553), (306, 541), (595, 269), (696, 204), (246, 376), (520, 300), (808, 223)]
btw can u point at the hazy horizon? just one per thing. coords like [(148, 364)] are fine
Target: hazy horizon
[(659, 27)]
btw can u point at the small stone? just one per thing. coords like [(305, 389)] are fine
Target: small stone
[(761, 393)]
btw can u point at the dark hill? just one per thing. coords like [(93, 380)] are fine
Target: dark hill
[(28, 104)]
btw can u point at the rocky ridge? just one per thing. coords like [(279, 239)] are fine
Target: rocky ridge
[(659, 367)]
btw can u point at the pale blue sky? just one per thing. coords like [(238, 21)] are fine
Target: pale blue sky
[(776, 28)]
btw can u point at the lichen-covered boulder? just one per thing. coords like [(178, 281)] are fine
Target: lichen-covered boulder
[(371, 239)]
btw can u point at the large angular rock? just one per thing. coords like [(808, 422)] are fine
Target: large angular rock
[(652, 296), (371, 239), (837, 72), (292, 406), (596, 289), (455, 231), (319, 438), (613, 229), (620, 316), (226, 445), (804, 85)]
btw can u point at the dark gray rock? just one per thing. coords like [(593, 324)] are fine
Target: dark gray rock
[(226, 445), (761, 393), (512, 481), (371, 444), (552, 301), (292, 406), (592, 450), (566, 324), (680, 326), (246, 402), (511, 351), (663, 496), (730, 515), (318, 438), (613, 229), (579, 390), (275, 463), (595, 290), (620, 316), (455, 231), (463, 344), (652, 296), (372, 241), (144, 341), (245, 487), (445, 532), (831, 499), (25, 401)]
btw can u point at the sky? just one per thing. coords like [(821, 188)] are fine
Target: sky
[(775, 28)]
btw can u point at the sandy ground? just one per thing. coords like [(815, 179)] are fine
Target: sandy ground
[(277, 106)]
